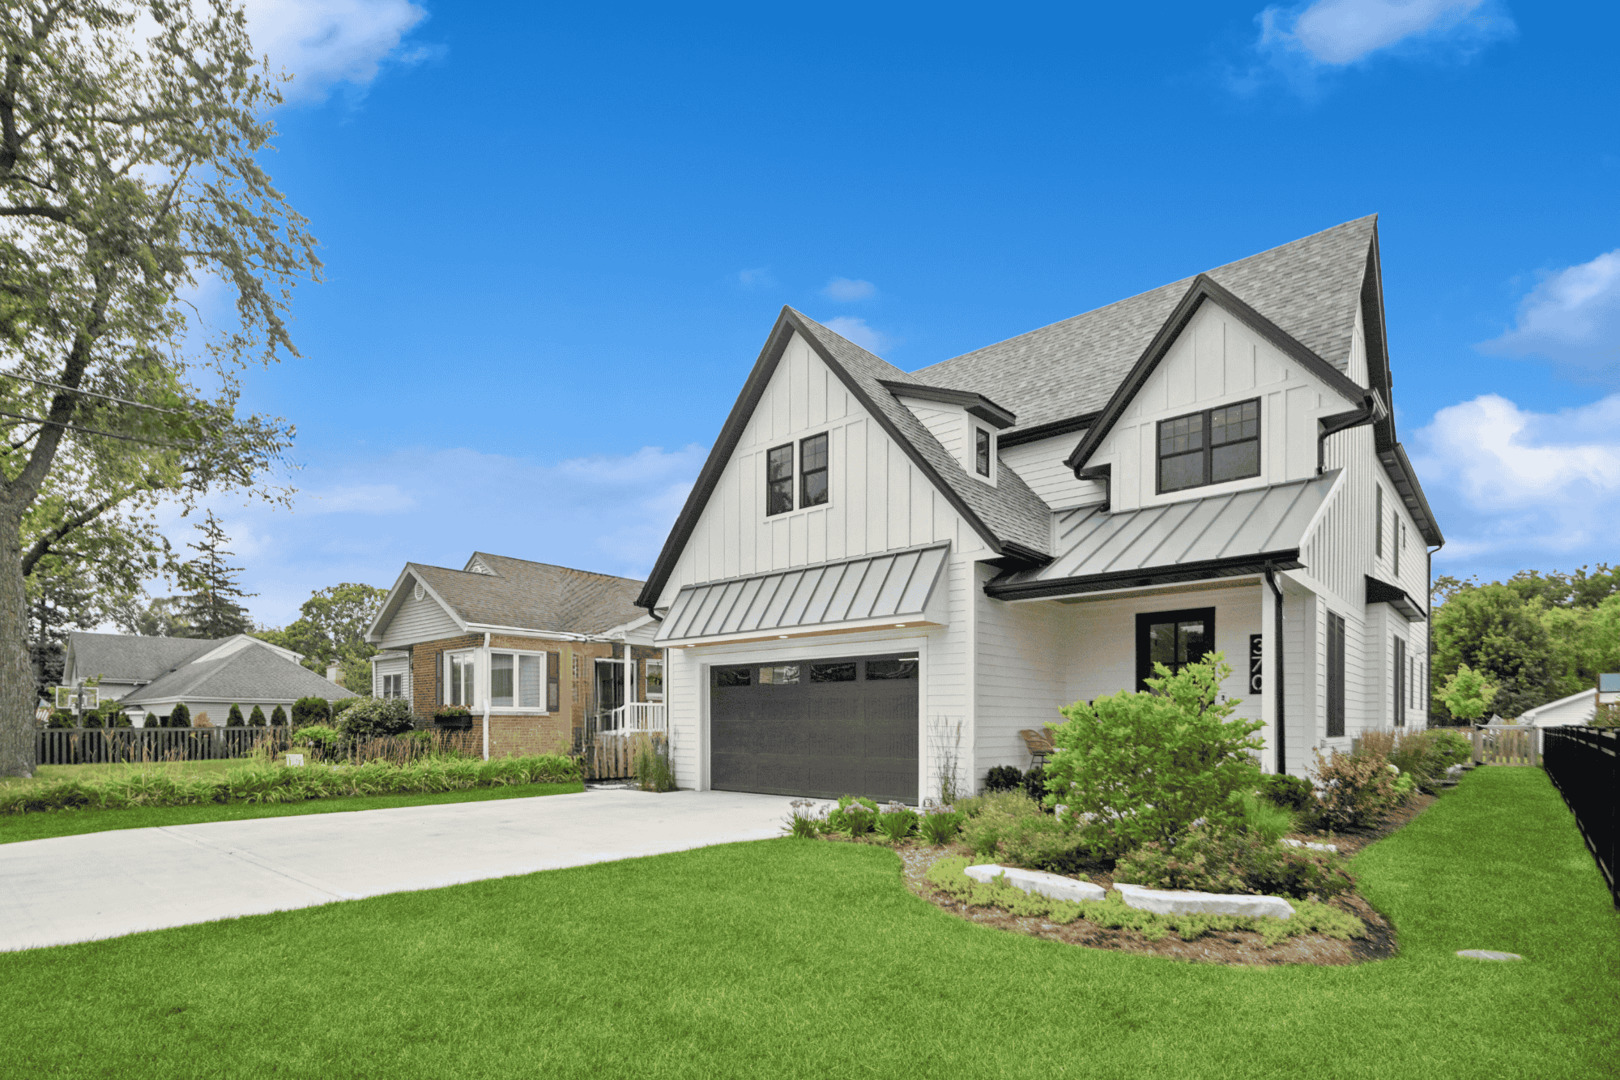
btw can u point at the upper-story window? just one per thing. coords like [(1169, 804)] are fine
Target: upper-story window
[(1210, 447), (981, 451), (779, 479), (811, 475), (813, 470)]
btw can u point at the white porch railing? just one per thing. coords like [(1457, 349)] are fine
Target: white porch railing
[(638, 716)]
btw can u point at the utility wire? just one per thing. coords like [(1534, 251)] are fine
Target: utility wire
[(94, 394), (93, 431)]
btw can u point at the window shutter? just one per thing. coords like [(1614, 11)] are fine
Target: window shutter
[(553, 661), (438, 677)]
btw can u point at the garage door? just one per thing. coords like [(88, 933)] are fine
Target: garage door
[(818, 728)]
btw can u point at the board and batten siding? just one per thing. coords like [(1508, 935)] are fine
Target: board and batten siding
[(1040, 463), (1217, 360), (418, 620)]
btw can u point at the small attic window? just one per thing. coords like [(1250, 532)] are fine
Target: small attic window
[(418, 592), (981, 452)]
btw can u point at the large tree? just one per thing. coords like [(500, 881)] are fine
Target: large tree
[(331, 628), (129, 139), (212, 608)]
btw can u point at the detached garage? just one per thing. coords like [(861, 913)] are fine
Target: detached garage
[(816, 728)]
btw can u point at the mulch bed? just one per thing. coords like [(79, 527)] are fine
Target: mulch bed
[(1239, 947)]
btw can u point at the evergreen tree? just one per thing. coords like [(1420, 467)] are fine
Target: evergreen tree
[(211, 605), (278, 717), (179, 716), (235, 717), (256, 717)]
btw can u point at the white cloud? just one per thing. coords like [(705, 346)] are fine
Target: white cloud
[(327, 43), (1572, 318), (857, 331), (845, 290), (1340, 32), (364, 521), (1527, 487), (758, 278)]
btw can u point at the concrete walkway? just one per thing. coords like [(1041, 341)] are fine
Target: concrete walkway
[(101, 885)]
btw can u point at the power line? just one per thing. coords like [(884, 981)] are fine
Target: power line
[(93, 431), (94, 394)]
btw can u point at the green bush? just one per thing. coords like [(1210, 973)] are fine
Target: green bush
[(1262, 818), (1234, 863), (278, 718), (804, 819), (342, 704), (1003, 778), (234, 717), (939, 824), (1354, 791), (1010, 827), (1452, 747), (651, 765), (368, 718), (90, 719), (262, 782), (323, 742), (896, 822), (854, 815), (60, 718), (256, 717), (1288, 792), (179, 716), (1145, 766), (311, 710), (1035, 784)]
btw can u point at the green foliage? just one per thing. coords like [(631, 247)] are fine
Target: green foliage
[(256, 717), (896, 823), (854, 815), (212, 609), (805, 820), (1354, 791), (1234, 863), (939, 824), (1288, 792), (1146, 765), (1466, 694), (1424, 756), (310, 710), (1010, 827), (260, 782), (651, 765), (369, 718), (1606, 715), (1263, 818), (1004, 778), (340, 704), (179, 716), (1035, 783), (278, 718), (234, 718), (331, 628)]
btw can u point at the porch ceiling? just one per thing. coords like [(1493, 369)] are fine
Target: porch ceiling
[(1215, 536)]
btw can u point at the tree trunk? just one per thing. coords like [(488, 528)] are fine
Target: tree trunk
[(16, 668)]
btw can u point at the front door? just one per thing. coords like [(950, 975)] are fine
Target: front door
[(609, 686)]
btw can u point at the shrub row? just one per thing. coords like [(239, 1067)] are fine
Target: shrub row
[(260, 782)]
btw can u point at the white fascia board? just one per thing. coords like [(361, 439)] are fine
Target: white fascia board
[(386, 612), (529, 631), (894, 622)]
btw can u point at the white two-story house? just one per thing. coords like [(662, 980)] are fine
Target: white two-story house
[(881, 578)]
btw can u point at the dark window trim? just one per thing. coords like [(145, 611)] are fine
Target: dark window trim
[(1398, 690), (1335, 676), (1378, 517), (826, 470), (1146, 619), (981, 451), (1208, 447), (791, 472)]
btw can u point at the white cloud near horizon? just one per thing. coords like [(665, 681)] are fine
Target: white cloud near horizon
[(363, 521), (326, 44), (856, 330), (847, 290), (1522, 488), (1571, 317)]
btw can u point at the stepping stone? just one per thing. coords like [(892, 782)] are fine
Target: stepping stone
[(1056, 886), (1488, 954), (1178, 902)]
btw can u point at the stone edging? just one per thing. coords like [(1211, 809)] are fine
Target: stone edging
[(1159, 901)]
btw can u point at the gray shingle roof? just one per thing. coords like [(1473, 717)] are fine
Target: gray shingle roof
[(253, 673), (129, 657), (1010, 509), (1310, 288), (534, 596)]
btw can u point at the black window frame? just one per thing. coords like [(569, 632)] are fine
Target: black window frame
[(773, 482), (824, 469), (981, 452), (1335, 675), (1378, 518), (1398, 690), (1207, 446), (1145, 622)]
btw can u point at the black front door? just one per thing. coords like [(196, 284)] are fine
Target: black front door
[(821, 728)]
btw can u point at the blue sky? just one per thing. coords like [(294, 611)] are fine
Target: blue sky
[(555, 238)]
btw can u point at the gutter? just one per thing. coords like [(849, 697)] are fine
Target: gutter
[(1372, 411), (1279, 694)]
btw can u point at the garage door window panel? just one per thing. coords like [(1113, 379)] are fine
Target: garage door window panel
[(841, 671)]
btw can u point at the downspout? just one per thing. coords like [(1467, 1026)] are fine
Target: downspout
[(485, 689), (1372, 410), (1279, 692)]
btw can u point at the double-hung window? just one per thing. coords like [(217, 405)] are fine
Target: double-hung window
[(1172, 638), (981, 451), (460, 680), (811, 475), (779, 479), (1209, 447), (393, 686), (813, 470), (517, 680)]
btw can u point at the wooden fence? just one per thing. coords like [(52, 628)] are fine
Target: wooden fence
[(1507, 744), (85, 746), (1584, 765)]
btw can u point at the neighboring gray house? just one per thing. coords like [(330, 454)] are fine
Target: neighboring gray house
[(882, 576), (148, 675)]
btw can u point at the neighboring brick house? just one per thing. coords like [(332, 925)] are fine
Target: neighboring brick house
[(536, 652)]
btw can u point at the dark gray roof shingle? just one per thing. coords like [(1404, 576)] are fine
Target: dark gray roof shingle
[(534, 596), (1310, 288)]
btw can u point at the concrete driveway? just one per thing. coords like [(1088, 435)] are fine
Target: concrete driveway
[(101, 885)]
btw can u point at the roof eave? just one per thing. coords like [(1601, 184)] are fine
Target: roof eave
[(1183, 574)]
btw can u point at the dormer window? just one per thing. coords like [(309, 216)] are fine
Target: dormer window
[(981, 452), (1210, 447)]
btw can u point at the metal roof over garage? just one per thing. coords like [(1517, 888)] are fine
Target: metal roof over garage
[(1215, 536), (894, 585)]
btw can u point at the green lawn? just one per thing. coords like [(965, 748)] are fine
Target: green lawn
[(15, 827), (794, 958)]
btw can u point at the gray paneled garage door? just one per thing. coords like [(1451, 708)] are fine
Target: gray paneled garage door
[(820, 728)]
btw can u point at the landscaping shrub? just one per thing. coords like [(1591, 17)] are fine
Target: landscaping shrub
[(651, 765), (1288, 792), (322, 741), (1354, 791), (278, 717), (368, 718), (854, 815), (234, 717), (179, 716), (1145, 766), (60, 718), (939, 824), (1233, 863), (1035, 784), (1452, 747), (342, 704), (896, 822), (256, 717), (1010, 827), (805, 819), (90, 719), (1263, 818), (1003, 778), (311, 710), (1426, 755)]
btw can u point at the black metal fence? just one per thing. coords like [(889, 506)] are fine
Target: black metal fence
[(86, 746), (1584, 764)]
